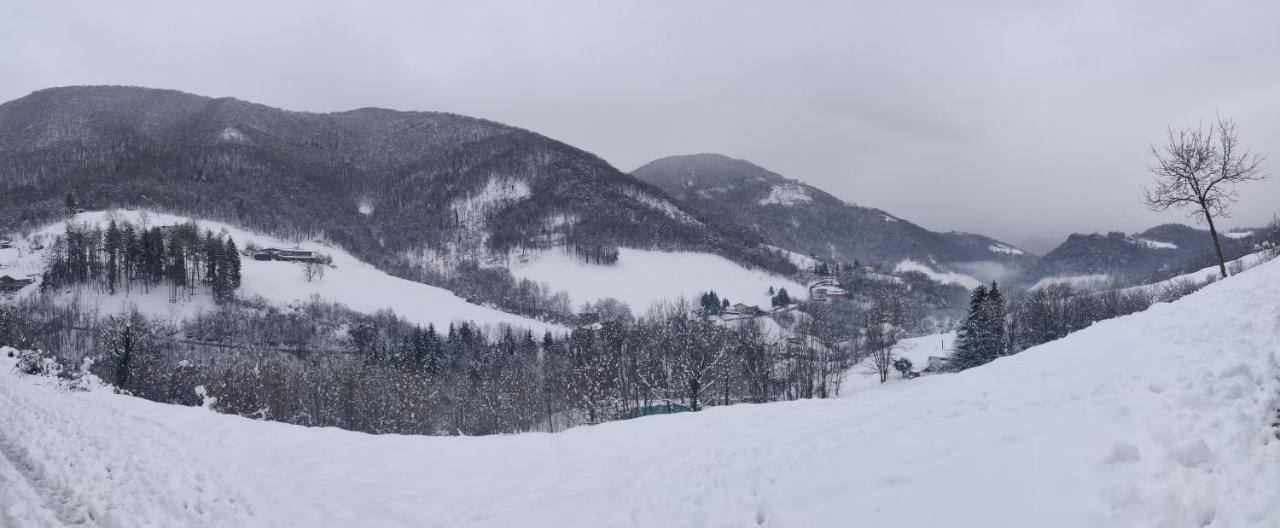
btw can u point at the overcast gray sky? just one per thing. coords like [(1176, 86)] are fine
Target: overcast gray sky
[(1003, 118)]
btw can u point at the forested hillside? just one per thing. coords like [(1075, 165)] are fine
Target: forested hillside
[(1155, 254), (388, 186), (805, 219)]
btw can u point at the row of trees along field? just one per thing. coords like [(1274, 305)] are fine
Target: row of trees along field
[(321, 364), (124, 257)]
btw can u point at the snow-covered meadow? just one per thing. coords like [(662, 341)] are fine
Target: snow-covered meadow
[(1161, 418), (641, 278), (351, 282), (944, 277)]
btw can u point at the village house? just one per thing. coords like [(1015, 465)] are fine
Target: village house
[(744, 309), (286, 255), (10, 284)]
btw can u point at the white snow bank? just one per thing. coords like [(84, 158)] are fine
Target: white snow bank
[(1160, 418), (786, 195), (473, 209), (1001, 248), (945, 277), (802, 261), (660, 204), (1238, 234), (1097, 280), (1155, 244), (351, 282), (232, 135), (643, 277)]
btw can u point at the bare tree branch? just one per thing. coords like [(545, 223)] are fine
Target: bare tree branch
[(1198, 170)]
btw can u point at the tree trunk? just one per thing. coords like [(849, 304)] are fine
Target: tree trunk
[(694, 388), (1217, 246)]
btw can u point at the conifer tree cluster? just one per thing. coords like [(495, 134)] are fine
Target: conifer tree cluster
[(124, 256), (981, 337), (781, 299), (712, 304)]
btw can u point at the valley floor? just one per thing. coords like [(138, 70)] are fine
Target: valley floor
[(1162, 418)]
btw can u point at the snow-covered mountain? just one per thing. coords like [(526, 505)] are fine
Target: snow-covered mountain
[(802, 218), (417, 194), (1157, 253), (1161, 418)]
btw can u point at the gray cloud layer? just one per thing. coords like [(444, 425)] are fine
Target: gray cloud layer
[(997, 117)]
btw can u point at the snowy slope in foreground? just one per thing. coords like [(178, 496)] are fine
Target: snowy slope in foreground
[(1157, 419), (643, 277), (353, 283)]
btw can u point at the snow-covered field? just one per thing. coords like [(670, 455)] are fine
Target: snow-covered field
[(1155, 244), (1161, 418), (786, 195), (1094, 281), (1001, 248), (945, 277), (643, 277), (802, 261), (356, 284)]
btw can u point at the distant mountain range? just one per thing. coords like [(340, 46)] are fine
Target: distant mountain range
[(802, 218), (1157, 253), (425, 194)]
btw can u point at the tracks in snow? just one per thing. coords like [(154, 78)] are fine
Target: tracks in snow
[(99, 467)]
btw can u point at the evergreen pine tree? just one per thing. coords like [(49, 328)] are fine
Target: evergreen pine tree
[(132, 255), (995, 341), (212, 248), (231, 258), (782, 298), (968, 346), (113, 245), (176, 266)]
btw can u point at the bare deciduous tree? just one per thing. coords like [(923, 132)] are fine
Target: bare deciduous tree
[(1199, 169), (312, 270), (883, 326)]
